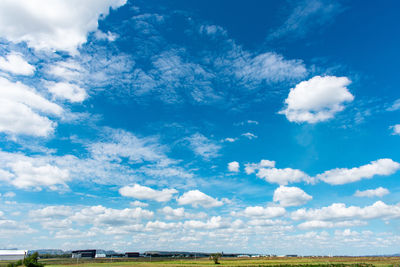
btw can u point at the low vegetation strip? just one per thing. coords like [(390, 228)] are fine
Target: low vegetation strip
[(233, 262)]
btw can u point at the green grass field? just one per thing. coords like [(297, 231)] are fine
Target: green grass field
[(254, 262)]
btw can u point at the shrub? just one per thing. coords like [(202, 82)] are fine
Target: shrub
[(215, 257)]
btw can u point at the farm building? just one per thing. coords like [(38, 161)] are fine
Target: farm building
[(132, 254), (175, 254), (87, 253), (12, 254)]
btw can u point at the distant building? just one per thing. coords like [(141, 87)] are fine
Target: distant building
[(180, 254), (86, 254), (132, 254), (12, 254)]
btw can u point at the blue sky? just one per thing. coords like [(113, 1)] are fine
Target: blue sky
[(260, 126)]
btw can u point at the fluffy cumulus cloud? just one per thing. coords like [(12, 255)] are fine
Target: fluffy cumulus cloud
[(215, 222), (51, 212), (180, 213), (57, 25), (100, 215), (343, 175), (315, 224), (197, 198), (264, 163), (147, 193), (233, 166), (261, 212), (291, 196), (378, 192), (339, 211), (68, 91), (266, 170), (27, 175), (396, 129), (317, 99), (22, 109), (283, 176), (16, 64)]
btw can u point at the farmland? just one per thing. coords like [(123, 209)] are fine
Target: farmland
[(270, 262)]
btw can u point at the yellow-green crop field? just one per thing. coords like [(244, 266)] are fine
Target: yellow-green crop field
[(253, 262)]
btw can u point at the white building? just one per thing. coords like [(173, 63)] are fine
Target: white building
[(12, 254)]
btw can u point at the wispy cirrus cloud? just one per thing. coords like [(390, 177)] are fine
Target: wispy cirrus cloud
[(203, 146), (305, 16)]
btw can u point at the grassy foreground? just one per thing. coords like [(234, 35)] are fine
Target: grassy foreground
[(253, 262)]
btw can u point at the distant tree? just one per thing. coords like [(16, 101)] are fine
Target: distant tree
[(32, 261), (215, 257)]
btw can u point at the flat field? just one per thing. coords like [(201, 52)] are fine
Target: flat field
[(253, 262)]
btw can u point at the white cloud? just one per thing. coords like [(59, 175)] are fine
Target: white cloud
[(395, 106), (67, 70), (157, 225), (266, 222), (160, 171), (120, 144), (266, 170), (262, 212), (212, 30), (249, 135), (252, 122), (51, 212), (264, 163), (269, 67), (197, 198), (171, 213), (378, 192), (5, 176), (215, 222), (230, 140), (291, 196), (69, 91), (52, 25), (10, 228), (306, 16), (138, 203), (343, 175), (120, 159), (315, 224), (396, 129), (233, 166), (283, 176), (16, 64), (144, 192), (20, 106), (339, 211), (203, 146), (180, 213), (109, 36), (9, 194), (26, 175), (99, 215), (317, 99), (19, 92)]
